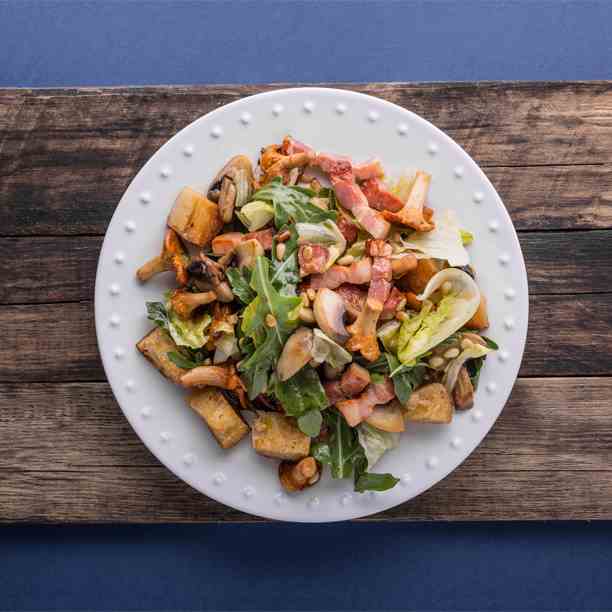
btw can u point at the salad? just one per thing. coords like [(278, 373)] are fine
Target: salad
[(320, 308)]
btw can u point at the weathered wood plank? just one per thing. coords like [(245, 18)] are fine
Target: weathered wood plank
[(75, 458), (67, 156), (66, 426), (63, 269), (569, 335)]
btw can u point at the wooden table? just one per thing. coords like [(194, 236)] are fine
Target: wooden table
[(66, 156)]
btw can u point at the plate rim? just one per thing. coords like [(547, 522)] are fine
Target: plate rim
[(382, 506)]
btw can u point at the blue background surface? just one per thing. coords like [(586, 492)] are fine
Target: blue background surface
[(349, 566)]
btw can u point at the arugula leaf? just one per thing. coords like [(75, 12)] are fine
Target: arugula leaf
[(182, 362), (239, 280), (490, 343), (310, 423), (267, 341), (285, 272), (474, 366), (291, 203), (302, 393), (342, 446), (368, 481), (156, 312), (345, 455), (405, 378)]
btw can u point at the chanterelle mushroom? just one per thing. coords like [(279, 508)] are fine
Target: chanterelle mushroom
[(172, 257), (297, 352), (210, 275), (297, 476), (329, 310), (233, 186), (275, 163), (185, 302), (224, 377), (363, 330)]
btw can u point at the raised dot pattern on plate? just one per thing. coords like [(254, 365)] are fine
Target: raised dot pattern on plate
[(402, 129), (219, 478), (340, 108), (309, 106), (248, 492), (277, 109)]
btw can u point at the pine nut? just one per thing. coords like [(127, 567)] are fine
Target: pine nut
[(312, 294), (307, 253), (447, 287), (436, 362), (401, 315), (451, 353), (280, 251), (466, 343), (270, 320)]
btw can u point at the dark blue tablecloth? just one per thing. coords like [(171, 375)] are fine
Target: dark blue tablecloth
[(369, 566)]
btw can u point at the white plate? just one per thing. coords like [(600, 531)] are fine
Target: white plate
[(341, 122)]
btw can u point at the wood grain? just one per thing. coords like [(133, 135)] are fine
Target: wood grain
[(569, 335), (43, 269), (560, 470), (66, 156)]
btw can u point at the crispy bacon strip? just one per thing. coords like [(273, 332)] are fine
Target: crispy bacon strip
[(361, 407), (347, 228), (363, 330), (354, 298), (226, 243), (368, 170), (379, 197), (413, 213), (312, 259), (358, 273), (340, 171), (353, 381)]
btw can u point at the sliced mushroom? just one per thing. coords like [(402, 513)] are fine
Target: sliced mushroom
[(297, 476), (185, 302), (233, 186), (247, 252), (329, 311), (172, 257), (389, 417), (297, 352)]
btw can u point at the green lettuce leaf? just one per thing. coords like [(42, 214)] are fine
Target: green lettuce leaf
[(184, 332), (255, 215), (375, 443)]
